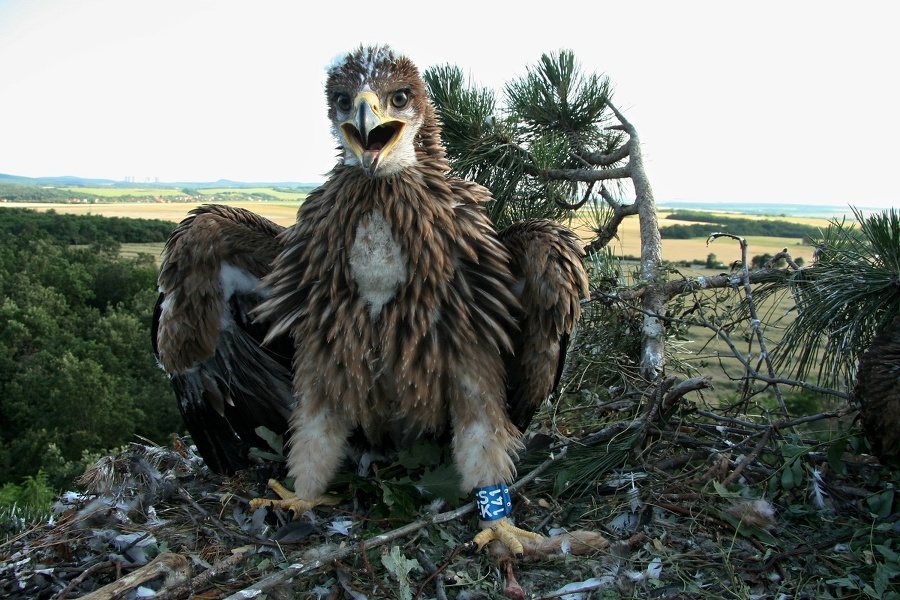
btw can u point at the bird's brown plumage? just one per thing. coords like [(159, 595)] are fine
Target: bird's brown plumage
[(226, 382), (428, 342), (409, 314)]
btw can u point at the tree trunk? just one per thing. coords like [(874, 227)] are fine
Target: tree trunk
[(653, 356)]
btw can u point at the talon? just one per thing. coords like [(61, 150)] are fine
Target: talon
[(288, 501), (507, 534)]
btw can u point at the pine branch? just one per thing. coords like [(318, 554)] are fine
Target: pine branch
[(589, 175)]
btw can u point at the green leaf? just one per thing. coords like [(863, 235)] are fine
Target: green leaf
[(723, 491), (423, 453), (563, 480), (441, 482), (263, 455), (264, 564), (887, 553), (400, 566), (787, 479), (790, 451), (797, 470), (881, 504), (274, 440), (399, 498), (836, 455)]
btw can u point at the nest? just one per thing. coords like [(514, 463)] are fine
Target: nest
[(660, 496)]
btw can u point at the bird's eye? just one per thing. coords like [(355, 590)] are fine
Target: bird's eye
[(343, 101), (400, 98)]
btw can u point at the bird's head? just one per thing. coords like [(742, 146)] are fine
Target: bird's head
[(377, 103)]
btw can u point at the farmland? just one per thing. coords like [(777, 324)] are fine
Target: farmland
[(284, 213)]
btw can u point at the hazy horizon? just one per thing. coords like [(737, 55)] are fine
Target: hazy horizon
[(784, 101)]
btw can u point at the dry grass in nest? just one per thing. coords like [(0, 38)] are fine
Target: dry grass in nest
[(688, 501)]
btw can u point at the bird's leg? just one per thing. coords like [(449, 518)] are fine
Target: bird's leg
[(289, 501), (494, 507), (318, 443)]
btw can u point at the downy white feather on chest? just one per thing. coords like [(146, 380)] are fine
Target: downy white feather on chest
[(377, 264)]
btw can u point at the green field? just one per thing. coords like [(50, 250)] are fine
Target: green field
[(280, 194), (109, 192), (139, 192)]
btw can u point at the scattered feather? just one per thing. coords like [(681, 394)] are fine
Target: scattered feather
[(653, 571), (340, 527), (293, 532), (436, 505), (815, 489), (754, 513), (625, 521), (578, 590), (634, 497)]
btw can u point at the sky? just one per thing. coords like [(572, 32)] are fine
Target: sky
[(776, 102)]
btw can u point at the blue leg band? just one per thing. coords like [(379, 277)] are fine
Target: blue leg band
[(493, 502)]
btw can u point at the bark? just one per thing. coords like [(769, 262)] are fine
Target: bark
[(653, 300), (670, 289)]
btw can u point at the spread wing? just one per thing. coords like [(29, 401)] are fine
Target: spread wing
[(550, 282), (226, 381)]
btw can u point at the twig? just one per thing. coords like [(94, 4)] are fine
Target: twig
[(750, 457), (843, 412), (303, 569), (682, 388), (434, 573), (608, 232), (89, 571), (778, 256), (755, 322), (184, 495), (803, 549), (201, 581), (369, 570), (682, 286)]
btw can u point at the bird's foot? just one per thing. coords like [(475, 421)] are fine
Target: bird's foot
[(506, 533), (289, 501)]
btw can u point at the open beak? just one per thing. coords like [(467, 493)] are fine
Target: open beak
[(369, 133)]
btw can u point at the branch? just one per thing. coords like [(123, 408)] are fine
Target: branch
[(693, 284), (627, 127), (836, 414), (608, 233), (786, 256), (589, 175), (582, 202), (750, 457), (755, 322), (604, 160), (203, 580)]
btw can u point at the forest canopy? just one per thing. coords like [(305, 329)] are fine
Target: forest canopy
[(83, 229), (742, 225), (77, 372)]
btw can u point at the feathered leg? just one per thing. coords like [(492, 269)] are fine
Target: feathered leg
[(318, 446), (550, 280), (485, 445)]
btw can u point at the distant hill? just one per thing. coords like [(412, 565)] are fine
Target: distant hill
[(760, 208), (70, 181)]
